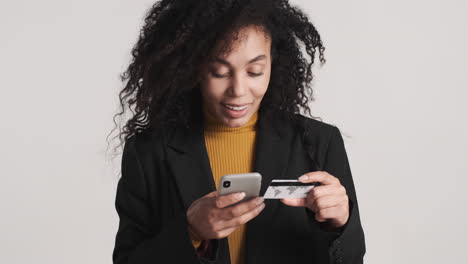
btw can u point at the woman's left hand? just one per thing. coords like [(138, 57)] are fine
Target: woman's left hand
[(328, 201)]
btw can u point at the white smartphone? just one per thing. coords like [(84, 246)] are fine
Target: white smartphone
[(243, 182)]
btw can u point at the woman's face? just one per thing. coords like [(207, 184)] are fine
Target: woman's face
[(232, 87)]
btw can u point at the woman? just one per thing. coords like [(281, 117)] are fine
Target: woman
[(216, 87)]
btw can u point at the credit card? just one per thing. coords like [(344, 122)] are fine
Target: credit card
[(280, 189)]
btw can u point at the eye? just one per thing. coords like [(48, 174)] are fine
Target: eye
[(253, 74), (219, 75)]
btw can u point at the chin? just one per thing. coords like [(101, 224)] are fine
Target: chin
[(235, 124), (238, 122)]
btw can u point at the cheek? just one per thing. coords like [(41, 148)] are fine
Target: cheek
[(211, 90), (260, 90)]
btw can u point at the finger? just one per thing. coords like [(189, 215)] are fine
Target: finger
[(224, 232), (319, 176), (327, 202), (324, 190), (241, 208), (329, 213), (223, 201), (294, 201), (242, 219), (212, 194), (313, 194)]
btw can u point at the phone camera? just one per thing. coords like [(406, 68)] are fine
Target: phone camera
[(226, 184)]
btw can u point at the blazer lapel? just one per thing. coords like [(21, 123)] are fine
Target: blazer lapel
[(188, 160), (272, 156)]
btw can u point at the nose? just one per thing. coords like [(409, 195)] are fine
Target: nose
[(238, 87)]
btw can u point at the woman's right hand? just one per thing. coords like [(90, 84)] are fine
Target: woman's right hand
[(210, 217)]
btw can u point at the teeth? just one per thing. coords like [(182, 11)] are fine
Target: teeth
[(236, 108)]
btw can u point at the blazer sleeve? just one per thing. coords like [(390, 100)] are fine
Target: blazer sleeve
[(140, 237), (349, 245)]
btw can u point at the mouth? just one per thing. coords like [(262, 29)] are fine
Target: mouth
[(236, 107), (235, 110)]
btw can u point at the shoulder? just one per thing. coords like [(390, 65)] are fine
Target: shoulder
[(315, 128), (317, 138), (297, 125), (145, 144)]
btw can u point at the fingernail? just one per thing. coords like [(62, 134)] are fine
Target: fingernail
[(303, 177), (240, 195)]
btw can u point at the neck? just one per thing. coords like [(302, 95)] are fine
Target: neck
[(211, 123)]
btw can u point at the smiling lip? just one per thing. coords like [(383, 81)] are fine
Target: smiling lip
[(237, 105), (230, 113)]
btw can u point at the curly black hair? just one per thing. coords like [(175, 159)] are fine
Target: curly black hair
[(179, 36)]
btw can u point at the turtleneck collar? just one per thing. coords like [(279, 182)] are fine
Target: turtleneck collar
[(213, 125)]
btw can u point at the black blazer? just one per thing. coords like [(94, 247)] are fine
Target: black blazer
[(162, 174)]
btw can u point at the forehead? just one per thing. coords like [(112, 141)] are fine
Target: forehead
[(245, 45)]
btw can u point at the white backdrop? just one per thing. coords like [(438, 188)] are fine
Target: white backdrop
[(394, 83)]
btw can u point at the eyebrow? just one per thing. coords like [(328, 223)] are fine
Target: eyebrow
[(260, 57)]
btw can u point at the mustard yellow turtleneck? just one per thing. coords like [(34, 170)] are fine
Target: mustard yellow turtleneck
[(230, 150)]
